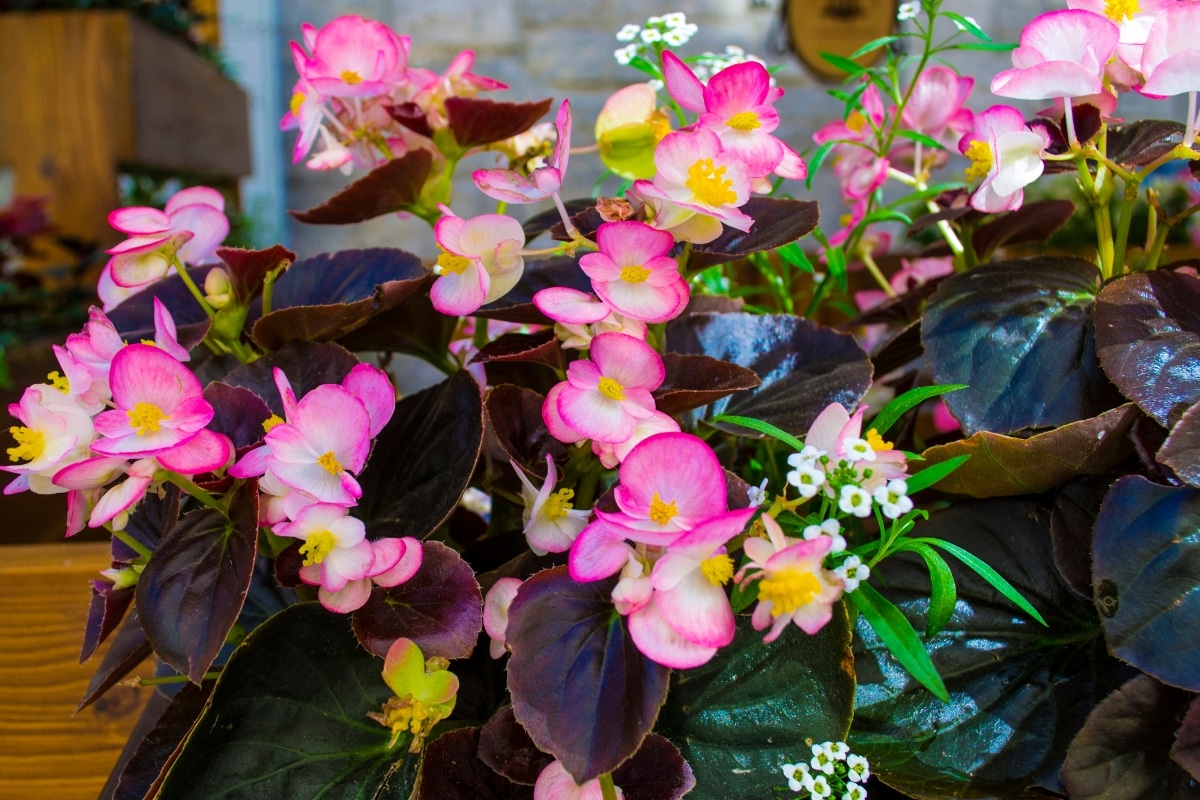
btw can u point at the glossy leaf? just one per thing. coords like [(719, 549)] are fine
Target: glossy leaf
[(288, 718), (143, 772), (1033, 222), (414, 326), (896, 408), (579, 685), (393, 187), (1072, 518), (452, 770), (776, 222), (327, 296), (238, 413), (307, 365), (517, 305), (803, 367), (898, 634), (1186, 750), (423, 460), (1122, 753), (1018, 691), (695, 380), (1148, 335), (514, 417), (476, 121), (190, 593), (934, 474), (134, 318), (105, 613), (1005, 465), (1019, 334), (1138, 143), (440, 608), (756, 706), (128, 648), (505, 746), (537, 348), (1181, 451), (1146, 566), (248, 268)]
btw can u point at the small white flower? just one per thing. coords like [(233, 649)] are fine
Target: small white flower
[(757, 494), (893, 499), (808, 479), (861, 573), (654, 21), (651, 35), (855, 500), (675, 38), (789, 770), (478, 502), (795, 785), (820, 788), (859, 769), (655, 84), (858, 450), (908, 11), (854, 792), (806, 456), (822, 760), (675, 19), (734, 50), (625, 54), (962, 27), (628, 33), (839, 750), (688, 30)]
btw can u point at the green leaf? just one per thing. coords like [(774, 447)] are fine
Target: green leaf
[(648, 67), (991, 47), (835, 258), (931, 475), (762, 427), (898, 634), (995, 579), (886, 215), (944, 594), (890, 414), (794, 254), (844, 64), (873, 45), (927, 193), (928, 141), (739, 717), (967, 25), (814, 163)]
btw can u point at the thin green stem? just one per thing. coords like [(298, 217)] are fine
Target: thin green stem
[(170, 679), (1125, 210), (1104, 239), (877, 274), (192, 287), (192, 489), (1156, 249), (133, 544), (607, 790)]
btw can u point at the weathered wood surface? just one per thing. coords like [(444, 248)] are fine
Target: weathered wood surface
[(46, 751)]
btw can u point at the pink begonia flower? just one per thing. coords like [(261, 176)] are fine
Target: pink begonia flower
[(456, 81), (737, 105), (405, 556), (680, 221), (335, 549), (857, 167), (352, 57), (1171, 59), (544, 182), (555, 783), (114, 504), (551, 521), (834, 431), (611, 455), (559, 429), (304, 113), (1006, 154), (697, 173), (606, 394), (633, 274), (495, 613), (793, 584), (1062, 54), (374, 390), (190, 228), (580, 317), (936, 105), (333, 155), (659, 642), (911, 275), (1133, 19), (159, 404), (481, 261), (54, 432)]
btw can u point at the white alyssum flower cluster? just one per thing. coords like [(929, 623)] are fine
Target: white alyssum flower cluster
[(832, 772), (669, 30), (908, 11), (848, 480)]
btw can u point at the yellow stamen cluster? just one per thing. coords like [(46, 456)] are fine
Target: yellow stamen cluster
[(452, 263), (744, 121), (788, 589), (877, 442), (146, 418), (709, 184), (558, 504), (59, 382), (718, 569), (330, 463), (30, 444), (271, 422), (635, 274), (351, 77), (297, 101), (982, 160), (856, 121), (1120, 10), (407, 715), (316, 547), (661, 513), (611, 389)]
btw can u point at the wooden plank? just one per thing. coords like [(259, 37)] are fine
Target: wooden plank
[(47, 751)]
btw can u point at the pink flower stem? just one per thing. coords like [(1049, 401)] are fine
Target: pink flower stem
[(566, 218), (1069, 116)]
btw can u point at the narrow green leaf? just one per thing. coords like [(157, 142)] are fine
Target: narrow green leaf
[(943, 595), (886, 215), (763, 427), (927, 193), (988, 574), (642, 65), (835, 258), (928, 141), (967, 25), (991, 47), (844, 64), (931, 475), (890, 414), (896, 632), (873, 45), (818, 158), (794, 254)]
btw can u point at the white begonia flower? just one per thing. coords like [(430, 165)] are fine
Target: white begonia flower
[(908, 11), (858, 450), (858, 768), (855, 500), (893, 499), (628, 33)]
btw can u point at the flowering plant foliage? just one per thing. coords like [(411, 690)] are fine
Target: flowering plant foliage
[(701, 534)]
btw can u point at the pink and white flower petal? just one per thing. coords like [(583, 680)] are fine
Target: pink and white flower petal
[(461, 293), (92, 473), (659, 642), (296, 463), (406, 566), (611, 455), (140, 221), (594, 414), (351, 597), (373, 388), (333, 420), (165, 336), (1062, 54), (208, 226), (682, 83), (135, 270), (571, 306), (111, 295), (555, 424), (119, 499), (1171, 56), (678, 469), (629, 361), (697, 610), (495, 612), (599, 551), (205, 452), (555, 783)]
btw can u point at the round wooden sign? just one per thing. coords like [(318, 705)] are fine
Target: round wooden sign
[(839, 27)]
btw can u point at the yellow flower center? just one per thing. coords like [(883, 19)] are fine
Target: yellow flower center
[(452, 262), (316, 547), (661, 513), (745, 121), (982, 161), (30, 444), (145, 418), (877, 443), (297, 101), (408, 715), (789, 589), (856, 121), (708, 183), (611, 389), (271, 422), (636, 274), (718, 569), (558, 504), (351, 77), (59, 382), (330, 463), (1120, 10)]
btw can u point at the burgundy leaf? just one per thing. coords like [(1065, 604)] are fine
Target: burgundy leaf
[(696, 380), (517, 305), (776, 223), (413, 117), (144, 771), (452, 770), (475, 121), (248, 268), (105, 613), (384, 190), (539, 348), (307, 365), (238, 413), (1186, 750), (656, 772), (134, 318), (514, 418), (128, 649), (506, 747)]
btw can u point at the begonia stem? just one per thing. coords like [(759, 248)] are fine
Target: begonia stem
[(566, 218), (192, 489), (192, 287), (1069, 116), (169, 679), (607, 790), (877, 274), (132, 543)]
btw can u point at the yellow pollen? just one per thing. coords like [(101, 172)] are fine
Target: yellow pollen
[(745, 121), (789, 589), (316, 547), (145, 418), (635, 274), (980, 154), (30, 444), (558, 504), (271, 422), (408, 715), (611, 389), (718, 569), (1120, 10), (661, 513), (856, 121), (150, 342), (297, 101), (351, 77), (330, 463), (452, 262), (877, 443), (59, 382), (708, 183)]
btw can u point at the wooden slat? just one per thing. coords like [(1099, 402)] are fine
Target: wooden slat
[(47, 751)]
